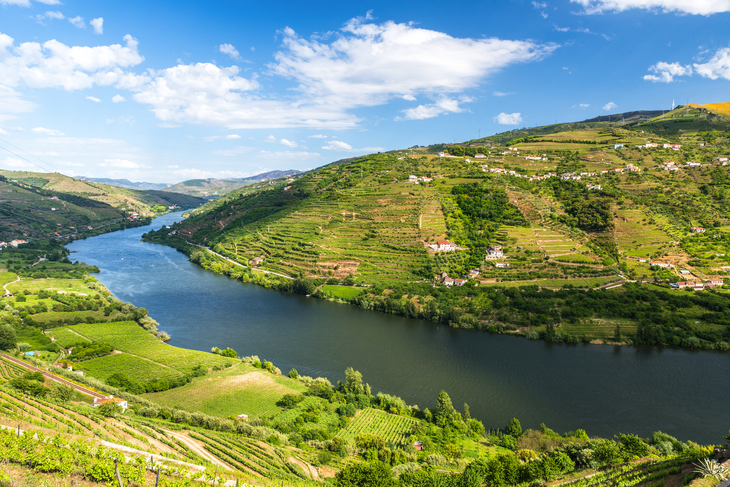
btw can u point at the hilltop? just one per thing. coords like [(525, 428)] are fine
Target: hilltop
[(213, 188), (48, 205), (619, 208), (125, 183)]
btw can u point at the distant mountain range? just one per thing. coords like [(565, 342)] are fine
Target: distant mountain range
[(125, 183)]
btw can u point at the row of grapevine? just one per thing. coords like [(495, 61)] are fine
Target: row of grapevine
[(393, 429)]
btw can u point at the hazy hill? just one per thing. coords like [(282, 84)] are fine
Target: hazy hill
[(126, 183), (213, 188)]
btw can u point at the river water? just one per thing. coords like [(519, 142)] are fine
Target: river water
[(603, 389)]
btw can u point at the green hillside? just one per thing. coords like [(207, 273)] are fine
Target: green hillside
[(588, 208), (47, 205)]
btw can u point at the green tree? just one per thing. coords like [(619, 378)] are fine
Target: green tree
[(62, 393), (110, 409), (371, 474), (514, 428), (293, 374), (353, 381), (617, 334), (444, 407), (466, 414), (8, 338)]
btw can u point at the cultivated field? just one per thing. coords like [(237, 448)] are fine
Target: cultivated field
[(393, 429)]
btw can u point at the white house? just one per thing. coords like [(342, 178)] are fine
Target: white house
[(445, 246), (480, 156), (664, 265), (501, 264), (115, 400), (698, 230)]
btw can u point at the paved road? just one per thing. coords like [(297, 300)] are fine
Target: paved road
[(53, 377)]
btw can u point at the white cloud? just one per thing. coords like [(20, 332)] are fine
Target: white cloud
[(50, 2), (77, 21), (337, 145), (10, 101), (56, 65), (500, 93), (666, 72), (539, 5), (409, 97), (442, 105), (12, 163), (508, 118), (174, 166), (318, 136), (270, 139), (544, 15), (54, 15), (584, 105), (117, 99), (289, 143), (2, 132), (98, 25), (121, 163), (610, 106), (230, 50), (42, 130), (93, 98), (694, 7), (368, 64), (717, 67)]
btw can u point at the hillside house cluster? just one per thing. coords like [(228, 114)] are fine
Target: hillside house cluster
[(692, 164), (495, 252), (419, 179), (12, 243), (448, 281), (654, 145), (697, 285), (670, 166), (723, 160)]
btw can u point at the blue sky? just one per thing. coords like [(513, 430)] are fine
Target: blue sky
[(166, 91)]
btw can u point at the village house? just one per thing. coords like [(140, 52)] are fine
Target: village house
[(480, 156), (287, 188), (242, 417), (459, 282), (473, 273), (114, 400), (716, 282), (494, 252), (418, 445), (664, 265), (501, 265), (725, 268), (698, 229), (258, 260), (448, 281), (593, 187), (694, 285), (445, 246)]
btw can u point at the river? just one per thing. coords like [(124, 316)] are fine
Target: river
[(605, 390)]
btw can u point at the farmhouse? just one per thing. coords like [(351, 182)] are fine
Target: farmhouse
[(501, 264), (445, 246), (716, 282), (111, 399), (698, 229), (258, 260), (242, 417), (494, 252), (664, 265), (459, 282), (448, 281), (480, 156)]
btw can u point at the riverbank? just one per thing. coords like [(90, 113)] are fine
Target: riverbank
[(624, 316)]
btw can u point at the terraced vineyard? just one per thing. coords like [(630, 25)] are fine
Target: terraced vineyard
[(650, 474), (393, 429), (9, 370)]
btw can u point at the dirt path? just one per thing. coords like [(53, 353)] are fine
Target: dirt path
[(55, 378), (193, 445), (238, 263), (17, 279)]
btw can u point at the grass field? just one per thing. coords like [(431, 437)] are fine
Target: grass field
[(393, 429), (241, 389), (636, 236), (600, 328), (6, 277), (66, 285), (344, 292), (127, 336), (141, 370)]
